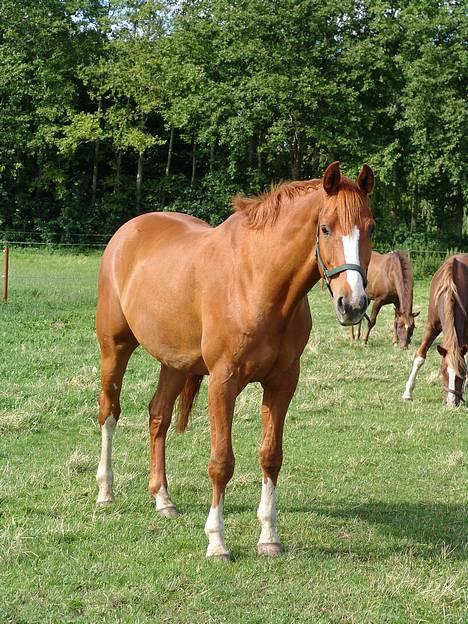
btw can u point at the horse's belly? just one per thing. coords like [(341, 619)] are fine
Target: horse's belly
[(166, 325)]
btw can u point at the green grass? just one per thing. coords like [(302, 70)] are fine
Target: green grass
[(370, 500)]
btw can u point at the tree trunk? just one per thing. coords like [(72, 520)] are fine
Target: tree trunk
[(251, 155), (169, 152), (212, 148), (139, 181), (118, 167), (296, 155), (259, 153), (96, 159), (415, 208), (460, 206), (194, 161), (168, 166)]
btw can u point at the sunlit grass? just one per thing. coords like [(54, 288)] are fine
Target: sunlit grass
[(371, 498)]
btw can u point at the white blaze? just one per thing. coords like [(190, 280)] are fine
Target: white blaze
[(451, 386), (351, 255)]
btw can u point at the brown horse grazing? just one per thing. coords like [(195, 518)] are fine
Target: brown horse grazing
[(229, 302), (390, 280), (447, 313)]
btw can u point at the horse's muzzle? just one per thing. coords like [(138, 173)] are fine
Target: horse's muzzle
[(347, 312)]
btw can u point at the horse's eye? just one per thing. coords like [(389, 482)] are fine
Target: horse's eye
[(325, 230)]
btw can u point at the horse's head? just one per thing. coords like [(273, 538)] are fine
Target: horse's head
[(453, 380), (344, 233), (404, 328)]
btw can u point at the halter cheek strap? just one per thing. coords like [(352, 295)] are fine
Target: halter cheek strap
[(328, 273)]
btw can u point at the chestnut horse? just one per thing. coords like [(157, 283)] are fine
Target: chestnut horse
[(447, 313), (229, 302), (390, 281)]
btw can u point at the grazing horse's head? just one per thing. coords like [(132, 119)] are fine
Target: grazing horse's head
[(453, 378), (344, 234), (404, 328)]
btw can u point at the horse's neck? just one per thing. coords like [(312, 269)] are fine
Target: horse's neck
[(281, 256), (404, 288)]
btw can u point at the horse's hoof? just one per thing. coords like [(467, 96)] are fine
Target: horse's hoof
[(105, 500), (269, 550), (223, 558), (406, 396), (168, 512)]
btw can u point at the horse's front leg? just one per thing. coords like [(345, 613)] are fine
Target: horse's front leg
[(430, 334), (372, 319), (355, 331), (277, 394), (222, 392)]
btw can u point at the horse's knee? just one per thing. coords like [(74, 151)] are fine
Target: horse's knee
[(221, 468), (271, 461)]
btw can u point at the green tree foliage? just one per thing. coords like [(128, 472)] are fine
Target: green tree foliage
[(113, 107)]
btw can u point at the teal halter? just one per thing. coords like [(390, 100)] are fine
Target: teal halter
[(328, 273)]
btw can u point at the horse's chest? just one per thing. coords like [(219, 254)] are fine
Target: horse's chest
[(264, 356)]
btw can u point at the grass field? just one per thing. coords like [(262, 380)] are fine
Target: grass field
[(371, 497)]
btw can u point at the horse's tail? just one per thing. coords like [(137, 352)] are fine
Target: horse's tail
[(186, 400)]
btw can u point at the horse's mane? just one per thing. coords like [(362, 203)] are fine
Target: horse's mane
[(403, 280), (265, 208), (446, 287)]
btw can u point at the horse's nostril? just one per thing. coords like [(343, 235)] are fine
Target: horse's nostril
[(363, 302), (341, 305)]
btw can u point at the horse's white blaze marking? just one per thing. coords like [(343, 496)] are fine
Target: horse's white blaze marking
[(266, 513), (417, 363), (104, 475), (163, 500), (351, 255), (214, 530), (451, 386)]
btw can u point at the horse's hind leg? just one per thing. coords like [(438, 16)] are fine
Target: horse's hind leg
[(277, 394), (117, 343), (430, 334), (170, 385)]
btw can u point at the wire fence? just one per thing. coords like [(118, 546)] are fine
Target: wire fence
[(67, 267)]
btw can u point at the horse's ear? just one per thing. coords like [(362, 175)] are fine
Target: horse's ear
[(332, 178), (442, 350), (415, 314), (365, 180)]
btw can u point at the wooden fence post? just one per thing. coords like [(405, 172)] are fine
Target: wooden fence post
[(6, 255)]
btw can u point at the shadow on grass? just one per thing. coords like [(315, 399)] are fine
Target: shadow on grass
[(424, 529)]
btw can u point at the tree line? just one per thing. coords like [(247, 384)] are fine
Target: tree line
[(110, 108)]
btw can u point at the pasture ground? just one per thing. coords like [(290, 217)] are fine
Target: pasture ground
[(370, 501)]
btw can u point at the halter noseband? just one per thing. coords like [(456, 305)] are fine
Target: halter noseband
[(327, 273)]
